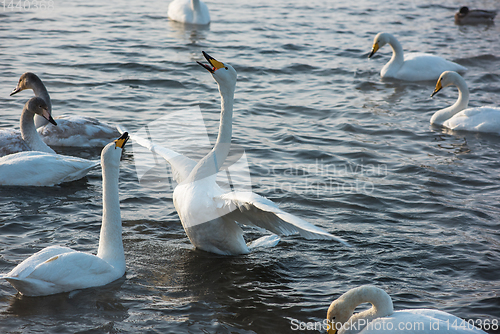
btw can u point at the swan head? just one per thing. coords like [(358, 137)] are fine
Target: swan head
[(38, 106), (111, 153), (27, 81), (446, 79), (224, 74), (379, 41), (340, 312)]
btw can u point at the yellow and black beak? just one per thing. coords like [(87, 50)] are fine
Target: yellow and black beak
[(212, 61), (120, 142), (375, 48), (439, 86), (331, 327)]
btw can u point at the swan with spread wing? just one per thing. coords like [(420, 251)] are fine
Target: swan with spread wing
[(210, 215)]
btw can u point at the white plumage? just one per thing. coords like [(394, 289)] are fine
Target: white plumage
[(458, 116), (58, 269), (209, 214), (33, 168), (381, 317), (189, 11), (413, 66)]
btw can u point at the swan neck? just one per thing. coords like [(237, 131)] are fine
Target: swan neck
[(110, 240), (195, 5), (380, 300), (397, 51), (29, 133), (40, 91), (213, 161), (462, 102)]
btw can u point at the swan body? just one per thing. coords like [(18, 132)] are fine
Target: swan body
[(458, 116), (33, 168), (74, 131), (12, 141), (209, 214), (381, 317), (413, 66), (189, 11), (59, 269), (474, 16)]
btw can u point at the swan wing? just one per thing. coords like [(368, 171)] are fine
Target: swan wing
[(25, 268), (424, 66), (11, 142), (181, 165), (42, 169), (64, 271), (78, 131), (254, 210), (482, 119), (420, 321)]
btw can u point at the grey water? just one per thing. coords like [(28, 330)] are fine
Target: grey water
[(325, 138)]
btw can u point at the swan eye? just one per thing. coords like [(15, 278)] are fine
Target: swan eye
[(226, 68)]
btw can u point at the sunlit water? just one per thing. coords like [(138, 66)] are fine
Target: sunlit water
[(325, 138)]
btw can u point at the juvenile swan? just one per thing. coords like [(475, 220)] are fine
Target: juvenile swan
[(209, 215), (413, 66), (75, 131), (13, 141), (458, 116), (39, 165), (58, 269), (381, 317), (189, 11)]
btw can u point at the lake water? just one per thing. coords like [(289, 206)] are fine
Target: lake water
[(325, 138)]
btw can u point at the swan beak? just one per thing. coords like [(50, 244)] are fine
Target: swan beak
[(120, 142), (16, 90), (212, 61), (439, 86), (48, 116), (332, 331), (374, 49)]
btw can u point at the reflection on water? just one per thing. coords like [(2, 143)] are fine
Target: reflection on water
[(191, 32), (427, 231)]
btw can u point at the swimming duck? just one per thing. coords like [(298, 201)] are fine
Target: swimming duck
[(474, 16)]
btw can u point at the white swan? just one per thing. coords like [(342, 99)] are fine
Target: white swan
[(457, 117), (413, 66), (75, 131), (58, 269), (381, 318), (189, 11), (13, 141), (208, 214)]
